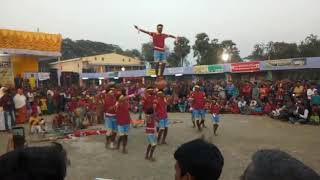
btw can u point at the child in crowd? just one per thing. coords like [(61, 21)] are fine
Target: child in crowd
[(43, 105), (215, 111), (36, 124), (151, 134)]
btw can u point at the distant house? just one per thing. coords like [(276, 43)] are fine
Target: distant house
[(110, 62)]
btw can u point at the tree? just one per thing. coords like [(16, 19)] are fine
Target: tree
[(259, 52), (202, 49), (81, 48), (282, 50), (147, 52), (231, 48), (310, 47), (181, 50), (209, 52)]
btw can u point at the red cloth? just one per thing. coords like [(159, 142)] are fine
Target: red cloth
[(109, 101), (234, 108), (161, 107), (158, 40), (150, 126), (122, 113), (72, 105), (215, 108), (92, 107), (148, 101), (198, 100)]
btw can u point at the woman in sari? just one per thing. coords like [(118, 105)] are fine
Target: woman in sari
[(20, 102)]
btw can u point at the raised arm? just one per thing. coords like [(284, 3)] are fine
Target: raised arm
[(144, 31)]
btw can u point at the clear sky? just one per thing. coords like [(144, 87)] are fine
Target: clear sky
[(246, 22)]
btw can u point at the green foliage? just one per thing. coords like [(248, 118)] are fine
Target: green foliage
[(147, 52), (209, 52), (181, 51), (310, 47), (81, 48)]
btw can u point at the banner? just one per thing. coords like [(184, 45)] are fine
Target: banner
[(201, 69), (245, 66), (216, 68), (6, 73), (43, 76), (150, 72), (286, 62)]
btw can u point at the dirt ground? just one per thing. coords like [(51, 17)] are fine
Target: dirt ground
[(239, 137)]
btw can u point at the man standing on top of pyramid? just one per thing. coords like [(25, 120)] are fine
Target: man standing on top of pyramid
[(160, 56)]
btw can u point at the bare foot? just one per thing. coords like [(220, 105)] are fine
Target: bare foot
[(164, 142), (152, 159), (146, 158), (124, 151)]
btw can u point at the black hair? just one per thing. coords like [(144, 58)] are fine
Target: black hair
[(149, 111), (161, 25), (34, 163), (200, 159), (277, 165)]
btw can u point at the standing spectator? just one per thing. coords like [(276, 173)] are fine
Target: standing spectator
[(310, 92), (32, 81), (229, 89), (6, 102), (20, 106), (255, 91), (246, 90), (18, 81)]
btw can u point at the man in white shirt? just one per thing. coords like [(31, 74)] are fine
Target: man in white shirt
[(242, 104)]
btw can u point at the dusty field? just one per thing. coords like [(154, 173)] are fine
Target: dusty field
[(239, 137)]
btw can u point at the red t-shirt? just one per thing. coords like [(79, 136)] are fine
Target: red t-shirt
[(215, 108), (109, 101), (150, 125), (158, 40), (246, 89), (161, 107), (148, 101), (198, 100), (123, 114)]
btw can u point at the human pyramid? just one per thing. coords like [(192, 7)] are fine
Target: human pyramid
[(154, 102)]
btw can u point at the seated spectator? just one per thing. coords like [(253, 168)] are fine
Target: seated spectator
[(242, 105), (36, 124), (300, 115), (46, 162), (234, 106), (198, 160), (182, 104), (268, 108), (277, 165)]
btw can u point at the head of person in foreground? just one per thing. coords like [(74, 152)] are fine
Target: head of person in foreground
[(198, 160), (34, 163), (277, 165)]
